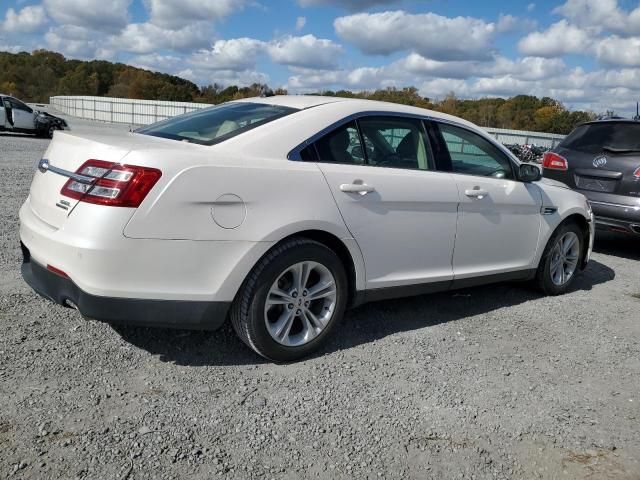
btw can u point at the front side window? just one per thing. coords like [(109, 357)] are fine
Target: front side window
[(394, 142), (342, 145), (18, 105), (214, 125), (473, 155)]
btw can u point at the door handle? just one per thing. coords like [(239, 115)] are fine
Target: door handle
[(476, 192), (361, 188)]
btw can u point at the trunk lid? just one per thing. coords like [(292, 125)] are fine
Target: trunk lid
[(604, 175), (602, 158), (66, 153)]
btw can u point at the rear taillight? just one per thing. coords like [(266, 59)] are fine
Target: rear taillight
[(108, 183), (637, 173), (553, 161)]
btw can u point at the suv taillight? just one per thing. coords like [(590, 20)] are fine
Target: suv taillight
[(108, 183), (553, 161), (637, 173)]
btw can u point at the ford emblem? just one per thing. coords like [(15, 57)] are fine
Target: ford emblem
[(600, 161)]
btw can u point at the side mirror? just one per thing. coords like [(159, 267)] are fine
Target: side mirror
[(529, 173)]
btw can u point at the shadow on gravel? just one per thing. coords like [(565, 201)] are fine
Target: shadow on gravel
[(365, 324), (618, 245)]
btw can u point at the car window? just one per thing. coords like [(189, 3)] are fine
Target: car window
[(342, 145), (473, 155), (394, 142), (1, 102), (18, 105), (216, 124), (592, 137)]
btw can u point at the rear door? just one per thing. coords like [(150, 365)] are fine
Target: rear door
[(499, 216), (401, 212)]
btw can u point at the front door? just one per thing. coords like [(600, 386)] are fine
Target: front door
[(499, 217), (3, 115), (23, 115), (401, 212)]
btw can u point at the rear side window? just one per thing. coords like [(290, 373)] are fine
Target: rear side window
[(214, 125), (594, 137), (394, 142), (342, 145)]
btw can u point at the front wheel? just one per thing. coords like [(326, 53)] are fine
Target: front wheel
[(291, 301), (561, 260)]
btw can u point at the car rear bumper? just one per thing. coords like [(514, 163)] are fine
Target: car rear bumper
[(144, 312), (622, 218)]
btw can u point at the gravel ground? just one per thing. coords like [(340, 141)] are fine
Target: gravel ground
[(492, 382)]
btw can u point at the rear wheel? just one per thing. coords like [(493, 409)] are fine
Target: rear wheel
[(291, 300), (561, 260)]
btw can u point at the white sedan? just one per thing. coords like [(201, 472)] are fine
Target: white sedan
[(279, 213)]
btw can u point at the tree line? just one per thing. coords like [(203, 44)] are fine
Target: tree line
[(36, 76)]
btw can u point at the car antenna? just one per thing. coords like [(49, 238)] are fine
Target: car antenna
[(637, 117)]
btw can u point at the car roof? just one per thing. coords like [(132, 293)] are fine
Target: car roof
[(355, 105), (611, 120)]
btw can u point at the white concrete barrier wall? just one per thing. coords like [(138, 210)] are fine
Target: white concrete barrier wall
[(144, 112)]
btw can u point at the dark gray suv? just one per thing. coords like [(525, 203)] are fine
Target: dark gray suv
[(601, 160)]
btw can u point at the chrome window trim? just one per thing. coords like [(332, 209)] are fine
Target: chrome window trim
[(294, 154)]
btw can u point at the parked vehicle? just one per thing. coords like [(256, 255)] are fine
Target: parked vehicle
[(16, 116), (601, 160), (529, 153), (281, 212)]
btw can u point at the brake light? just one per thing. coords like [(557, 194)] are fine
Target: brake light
[(553, 161), (637, 173), (112, 184)]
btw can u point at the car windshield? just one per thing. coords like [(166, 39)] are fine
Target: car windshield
[(595, 137), (214, 125)]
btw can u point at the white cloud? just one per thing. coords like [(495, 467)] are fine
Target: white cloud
[(531, 7), (431, 35), (235, 54), (300, 23), (353, 5), (74, 41), (305, 51), (559, 39), (93, 14), (147, 38), (27, 20), (601, 14), (173, 14), (615, 50)]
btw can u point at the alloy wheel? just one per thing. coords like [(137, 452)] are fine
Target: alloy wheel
[(564, 258), (300, 303)]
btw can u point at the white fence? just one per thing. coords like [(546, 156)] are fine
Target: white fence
[(144, 112), (122, 110)]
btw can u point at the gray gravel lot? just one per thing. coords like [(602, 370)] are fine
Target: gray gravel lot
[(491, 382)]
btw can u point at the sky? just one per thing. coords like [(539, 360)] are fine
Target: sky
[(585, 53)]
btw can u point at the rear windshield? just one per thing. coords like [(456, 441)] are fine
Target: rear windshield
[(214, 125), (596, 137)]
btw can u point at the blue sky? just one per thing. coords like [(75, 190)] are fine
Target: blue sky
[(585, 53)]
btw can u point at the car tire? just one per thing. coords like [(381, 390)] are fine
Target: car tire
[(561, 259), (50, 131), (273, 318)]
